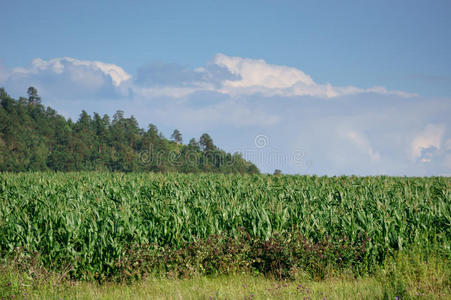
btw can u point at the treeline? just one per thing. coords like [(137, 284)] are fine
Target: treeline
[(35, 138)]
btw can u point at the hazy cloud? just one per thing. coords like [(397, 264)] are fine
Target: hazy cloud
[(160, 74), (362, 142)]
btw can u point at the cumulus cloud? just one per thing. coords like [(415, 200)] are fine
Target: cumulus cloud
[(257, 76), (234, 76), (256, 72), (60, 65), (237, 76), (68, 78), (430, 137)]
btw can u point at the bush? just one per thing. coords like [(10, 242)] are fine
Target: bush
[(281, 256)]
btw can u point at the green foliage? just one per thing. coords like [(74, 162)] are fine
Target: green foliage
[(177, 136), (88, 222), (33, 97), (277, 172), (35, 138), (281, 256)]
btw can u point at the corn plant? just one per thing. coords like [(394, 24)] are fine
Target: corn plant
[(88, 220)]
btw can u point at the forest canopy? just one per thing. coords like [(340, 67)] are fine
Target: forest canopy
[(36, 138)]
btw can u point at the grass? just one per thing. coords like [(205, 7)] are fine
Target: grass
[(407, 276), (224, 287)]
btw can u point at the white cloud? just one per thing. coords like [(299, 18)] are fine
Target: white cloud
[(431, 136), (69, 78), (257, 76), (60, 65), (234, 76), (256, 72), (383, 91), (238, 76)]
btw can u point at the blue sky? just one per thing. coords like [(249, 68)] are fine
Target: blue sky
[(334, 87)]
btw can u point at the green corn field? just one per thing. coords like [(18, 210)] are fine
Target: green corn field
[(89, 220)]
